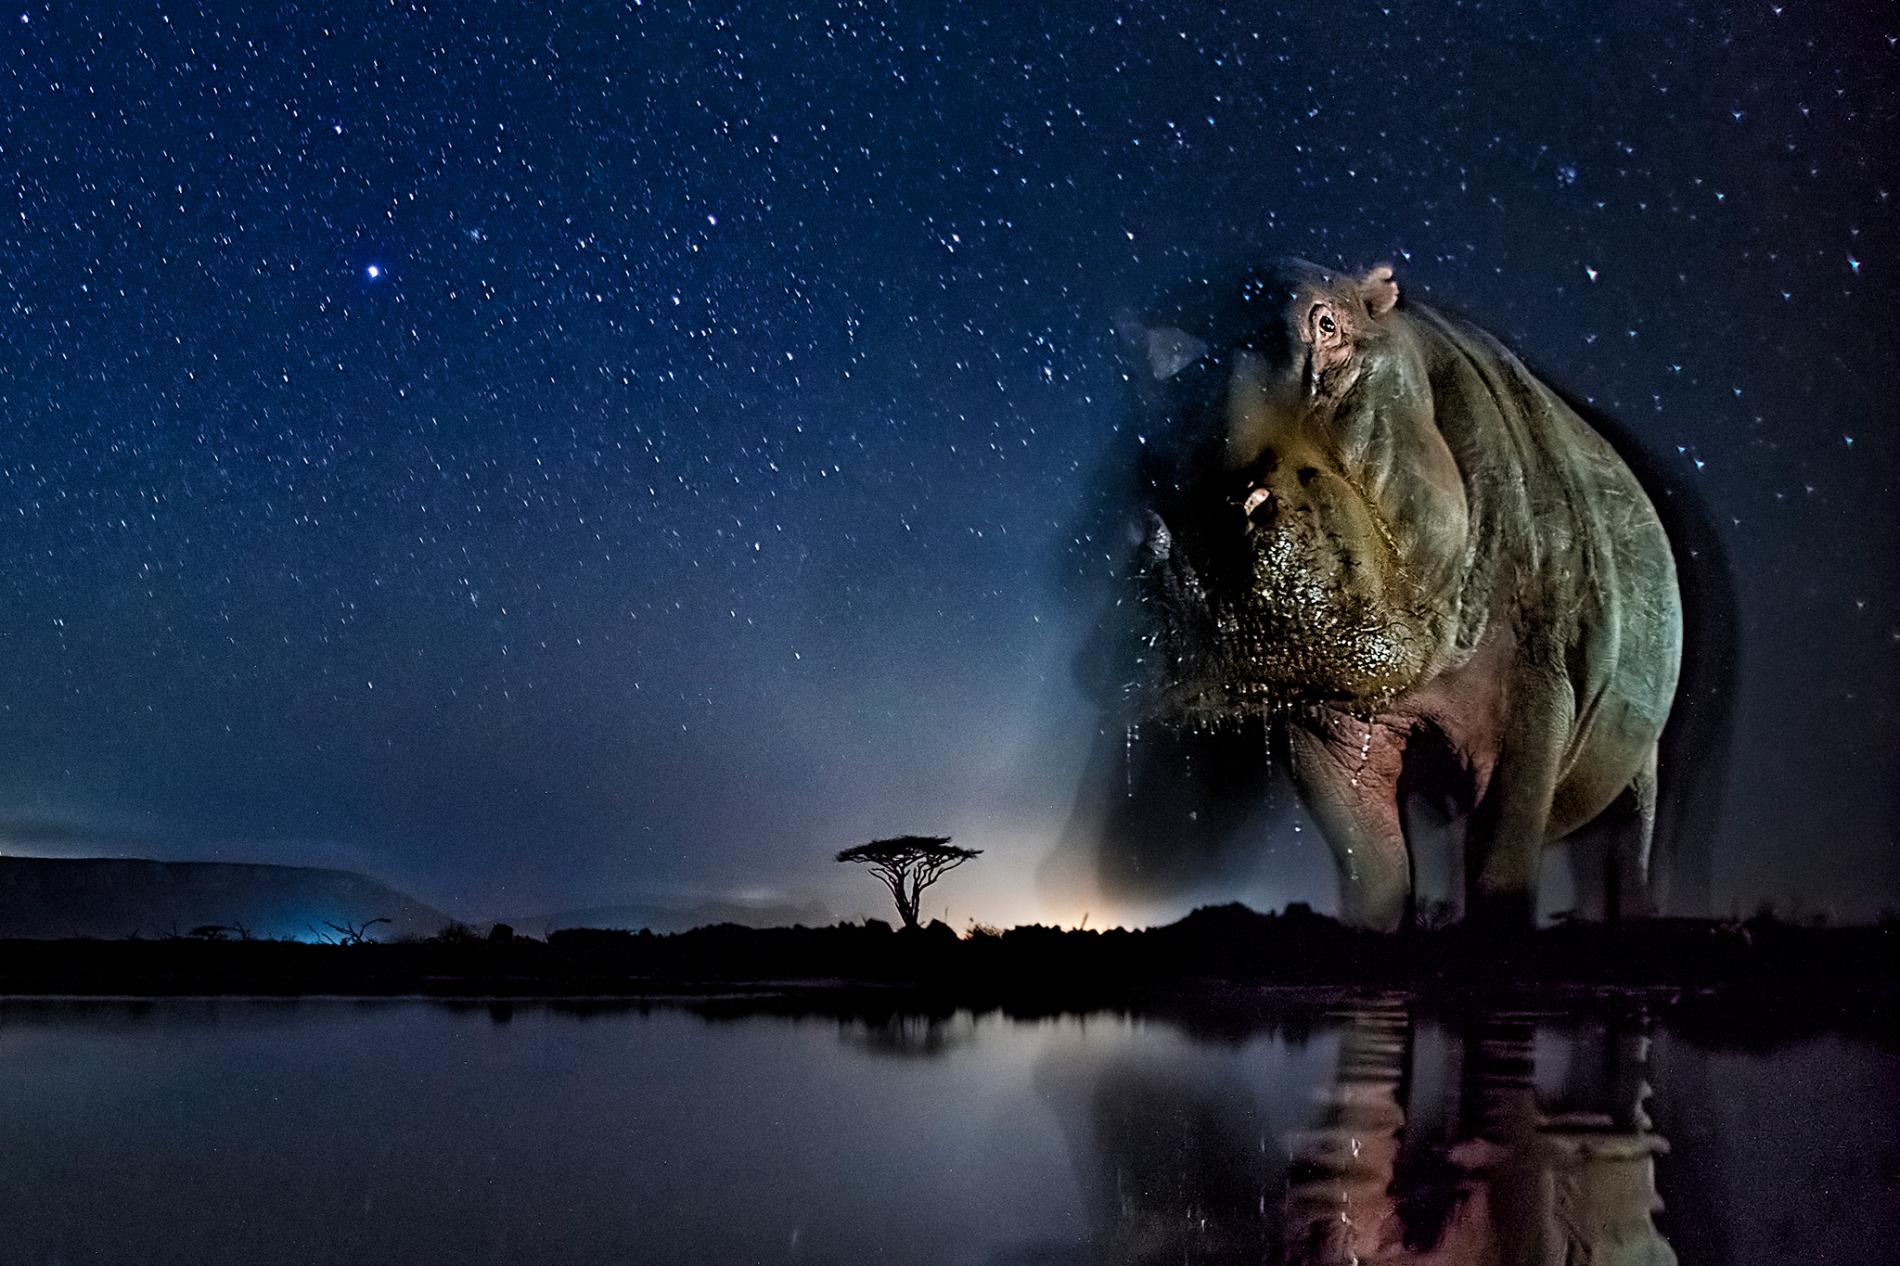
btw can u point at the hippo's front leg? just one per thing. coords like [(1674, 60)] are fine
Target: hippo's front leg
[(1347, 773)]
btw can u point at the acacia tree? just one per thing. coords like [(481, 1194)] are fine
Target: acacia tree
[(908, 864)]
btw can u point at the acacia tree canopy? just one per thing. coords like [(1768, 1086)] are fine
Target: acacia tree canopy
[(908, 864)]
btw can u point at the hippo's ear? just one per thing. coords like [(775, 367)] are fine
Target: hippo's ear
[(1161, 351), (1380, 292)]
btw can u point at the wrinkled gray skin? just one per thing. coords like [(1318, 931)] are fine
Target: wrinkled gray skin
[(1372, 538)]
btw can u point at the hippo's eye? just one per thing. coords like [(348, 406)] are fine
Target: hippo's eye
[(1323, 321)]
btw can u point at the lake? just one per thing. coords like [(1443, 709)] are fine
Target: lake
[(215, 1131)]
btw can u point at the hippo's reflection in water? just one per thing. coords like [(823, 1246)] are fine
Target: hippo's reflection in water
[(1429, 1145)]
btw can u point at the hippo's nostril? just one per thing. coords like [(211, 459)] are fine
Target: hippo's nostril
[(1307, 475)]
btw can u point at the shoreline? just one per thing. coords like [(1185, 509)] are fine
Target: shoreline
[(1762, 975)]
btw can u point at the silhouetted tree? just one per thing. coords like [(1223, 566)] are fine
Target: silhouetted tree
[(347, 933), (216, 932), (908, 864)]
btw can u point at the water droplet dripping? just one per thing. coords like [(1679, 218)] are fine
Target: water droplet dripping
[(1129, 735)]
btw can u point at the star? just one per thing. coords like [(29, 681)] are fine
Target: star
[(374, 272)]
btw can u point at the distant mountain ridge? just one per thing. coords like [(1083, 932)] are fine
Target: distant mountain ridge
[(112, 897)]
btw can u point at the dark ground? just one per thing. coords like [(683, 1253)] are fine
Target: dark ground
[(1742, 976)]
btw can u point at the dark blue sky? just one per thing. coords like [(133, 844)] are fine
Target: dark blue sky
[(549, 461)]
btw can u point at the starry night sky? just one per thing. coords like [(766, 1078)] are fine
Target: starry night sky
[(547, 462)]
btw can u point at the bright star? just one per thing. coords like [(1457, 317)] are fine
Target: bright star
[(373, 272)]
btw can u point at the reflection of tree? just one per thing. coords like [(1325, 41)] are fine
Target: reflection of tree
[(925, 1036)]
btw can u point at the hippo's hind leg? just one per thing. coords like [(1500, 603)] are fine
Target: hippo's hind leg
[(1631, 894), (1610, 857)]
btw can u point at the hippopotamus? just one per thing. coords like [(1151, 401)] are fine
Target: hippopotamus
[(1366, 535)]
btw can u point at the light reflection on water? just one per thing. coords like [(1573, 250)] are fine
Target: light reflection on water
[(243, 1131)]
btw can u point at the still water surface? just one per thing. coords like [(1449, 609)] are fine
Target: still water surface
[(326, 1131)]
